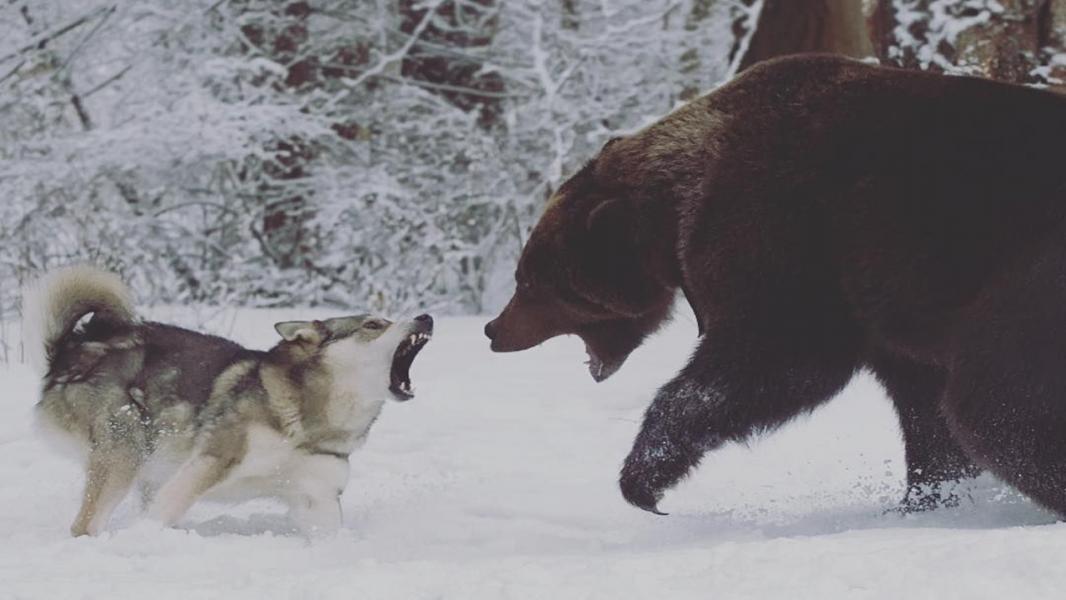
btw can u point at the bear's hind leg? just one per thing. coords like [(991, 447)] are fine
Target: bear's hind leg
[(1005, 400), (1013, 421), (934, 458), (1011, 415)]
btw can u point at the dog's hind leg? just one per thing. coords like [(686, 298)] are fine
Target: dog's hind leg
[(108, 479), (198, 474)]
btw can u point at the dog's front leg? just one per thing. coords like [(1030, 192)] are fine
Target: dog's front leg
[(112, 469), (318, 514), (196, 476), (314, 500)]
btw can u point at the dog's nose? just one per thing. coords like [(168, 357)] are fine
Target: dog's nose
[(425, 321), (490, 330)]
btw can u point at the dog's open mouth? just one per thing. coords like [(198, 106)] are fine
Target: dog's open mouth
[(400, 376)]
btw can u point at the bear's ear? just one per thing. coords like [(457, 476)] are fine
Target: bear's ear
[(611, 163), (614, 270), (609, 219)]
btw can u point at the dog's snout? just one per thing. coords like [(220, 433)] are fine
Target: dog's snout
[(490, 330)]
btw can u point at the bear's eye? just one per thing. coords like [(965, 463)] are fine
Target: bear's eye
[(373, 325)]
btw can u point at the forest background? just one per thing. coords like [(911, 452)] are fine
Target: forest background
[(384, 154)]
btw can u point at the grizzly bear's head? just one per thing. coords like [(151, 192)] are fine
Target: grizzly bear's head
[(598, 265)]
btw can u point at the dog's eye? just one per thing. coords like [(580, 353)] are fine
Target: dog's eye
[(373, 325)]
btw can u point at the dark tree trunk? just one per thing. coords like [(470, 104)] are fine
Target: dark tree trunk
[(571, 15), (456, 25), (282, 34), (792, 26)]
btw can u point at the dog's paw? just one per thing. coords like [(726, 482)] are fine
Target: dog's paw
[(86, 526)]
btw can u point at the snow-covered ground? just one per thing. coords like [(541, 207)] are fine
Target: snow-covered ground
[(498, 481)]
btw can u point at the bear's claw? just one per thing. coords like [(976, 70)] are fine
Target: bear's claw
[(641, 497)]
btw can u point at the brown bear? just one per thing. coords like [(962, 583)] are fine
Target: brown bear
[(821, 216)]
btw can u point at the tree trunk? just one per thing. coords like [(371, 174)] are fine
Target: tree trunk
[(793, 26), (1054, 46), (282, 34), (453, 27), (571, 15)]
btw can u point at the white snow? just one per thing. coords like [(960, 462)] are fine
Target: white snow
[(499, 481)]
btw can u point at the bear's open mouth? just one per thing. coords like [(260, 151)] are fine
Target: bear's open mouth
[(400, 375)]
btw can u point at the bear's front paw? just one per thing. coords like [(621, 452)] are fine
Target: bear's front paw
[(927, 497), (639, 489)]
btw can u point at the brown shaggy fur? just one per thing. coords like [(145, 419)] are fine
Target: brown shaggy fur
[(822, 215)]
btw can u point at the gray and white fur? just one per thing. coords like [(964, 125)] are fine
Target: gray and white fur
[(184, 415)]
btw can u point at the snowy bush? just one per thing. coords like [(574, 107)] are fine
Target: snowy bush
[(364, 154)]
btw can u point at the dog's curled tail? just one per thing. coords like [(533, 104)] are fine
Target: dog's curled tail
[(53, 305)]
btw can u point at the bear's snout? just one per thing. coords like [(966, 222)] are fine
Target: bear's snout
[(493, 332), (519, 327), (500, 342)]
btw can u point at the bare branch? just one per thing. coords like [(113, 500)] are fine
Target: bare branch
[(42, 40)]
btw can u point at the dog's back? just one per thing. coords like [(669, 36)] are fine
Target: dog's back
[(179, 364), (99, 360)]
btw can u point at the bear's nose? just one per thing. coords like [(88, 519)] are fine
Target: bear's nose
[(490, 330)]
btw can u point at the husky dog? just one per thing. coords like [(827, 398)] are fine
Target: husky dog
[(185, 415)]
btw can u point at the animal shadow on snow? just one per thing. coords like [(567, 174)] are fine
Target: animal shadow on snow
[(984, 503), (255, 524)]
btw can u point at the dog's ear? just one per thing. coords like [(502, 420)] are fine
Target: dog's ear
[(299, 331), (344, 326)]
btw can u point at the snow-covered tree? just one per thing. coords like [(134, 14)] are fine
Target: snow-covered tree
[(383, 154), (1023, 41), (374, 154)]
